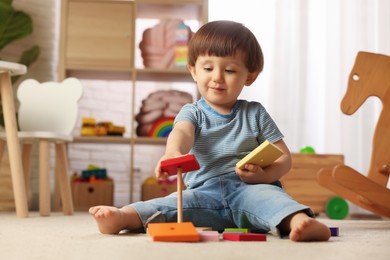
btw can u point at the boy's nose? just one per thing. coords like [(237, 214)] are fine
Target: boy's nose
[(217, 76)]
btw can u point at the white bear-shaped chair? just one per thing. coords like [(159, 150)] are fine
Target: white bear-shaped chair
[(48, 113)]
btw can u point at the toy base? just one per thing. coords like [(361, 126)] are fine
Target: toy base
[(173, 232), (244, 237)]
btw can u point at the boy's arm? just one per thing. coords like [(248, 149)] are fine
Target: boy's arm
[(256, 175), (179, 142)]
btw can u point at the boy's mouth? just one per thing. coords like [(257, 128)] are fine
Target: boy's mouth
[(217, 89)]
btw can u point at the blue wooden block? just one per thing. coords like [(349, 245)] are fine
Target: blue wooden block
[(334, 231)]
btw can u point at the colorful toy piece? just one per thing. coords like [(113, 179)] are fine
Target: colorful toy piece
[(237, 230), (209, 236), (180, 231), (100, 174), (186, 163), (244, 236), (337, 208), (91, 128), (263, 155), (307, 149), (334, 231), (173, 232)]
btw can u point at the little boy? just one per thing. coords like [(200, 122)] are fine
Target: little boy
[(220, 129)]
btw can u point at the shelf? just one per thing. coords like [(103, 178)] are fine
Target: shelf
[(148, 140), (100, 74), (100, 39), (164, 75), (119, 140), (102, 139), (145, 74)]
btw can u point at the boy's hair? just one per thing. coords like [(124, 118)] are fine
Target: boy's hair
[(226, 38)]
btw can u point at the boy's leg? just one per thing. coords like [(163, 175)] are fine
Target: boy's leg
[(112, 220), (268, 207), (202, 206), (301, 227)]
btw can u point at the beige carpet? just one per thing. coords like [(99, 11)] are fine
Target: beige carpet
[(76, 237)]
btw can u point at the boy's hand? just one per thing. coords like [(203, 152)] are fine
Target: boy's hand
[(160, 175), (252, 174)]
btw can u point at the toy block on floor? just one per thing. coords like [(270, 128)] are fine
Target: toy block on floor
[(244, 237), (334, 231), (209, 236), (173, 232), (236, 230)]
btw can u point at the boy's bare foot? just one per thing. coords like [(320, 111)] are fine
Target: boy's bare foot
[(111, 220), (304, 229)]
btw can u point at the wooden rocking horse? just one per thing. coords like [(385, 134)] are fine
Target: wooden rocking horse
[(370, 76)]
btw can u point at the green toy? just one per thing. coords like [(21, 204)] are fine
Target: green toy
[(307, 149), (337, 208)]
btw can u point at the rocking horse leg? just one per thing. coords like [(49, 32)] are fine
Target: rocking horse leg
[(371, 192), (325, 179)]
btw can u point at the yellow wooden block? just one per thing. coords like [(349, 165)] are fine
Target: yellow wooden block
[(263, 155)]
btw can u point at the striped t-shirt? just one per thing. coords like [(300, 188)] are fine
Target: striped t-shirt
[(222, 140)]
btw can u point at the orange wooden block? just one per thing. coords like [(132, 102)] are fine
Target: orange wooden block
[(173, 232)]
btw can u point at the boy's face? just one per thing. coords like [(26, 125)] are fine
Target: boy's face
[(220, 80)]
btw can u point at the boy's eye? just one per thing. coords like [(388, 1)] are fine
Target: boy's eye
[(208, 69), (230, 71)]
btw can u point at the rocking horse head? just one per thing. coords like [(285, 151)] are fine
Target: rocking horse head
[(366, 79), (370, 76)]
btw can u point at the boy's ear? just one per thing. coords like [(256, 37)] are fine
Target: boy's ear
[(252, 76), (193, 71)]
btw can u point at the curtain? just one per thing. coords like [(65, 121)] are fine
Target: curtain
[(310, 48)]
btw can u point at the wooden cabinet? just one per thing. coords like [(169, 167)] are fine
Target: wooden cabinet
[(301, 181), (100, 35), (97, 35), (100, 38)]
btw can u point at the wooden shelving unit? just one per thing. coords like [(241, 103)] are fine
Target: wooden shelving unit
[(119, 140), (98, 41)]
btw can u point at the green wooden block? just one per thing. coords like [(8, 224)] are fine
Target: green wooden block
[(237, 230)]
